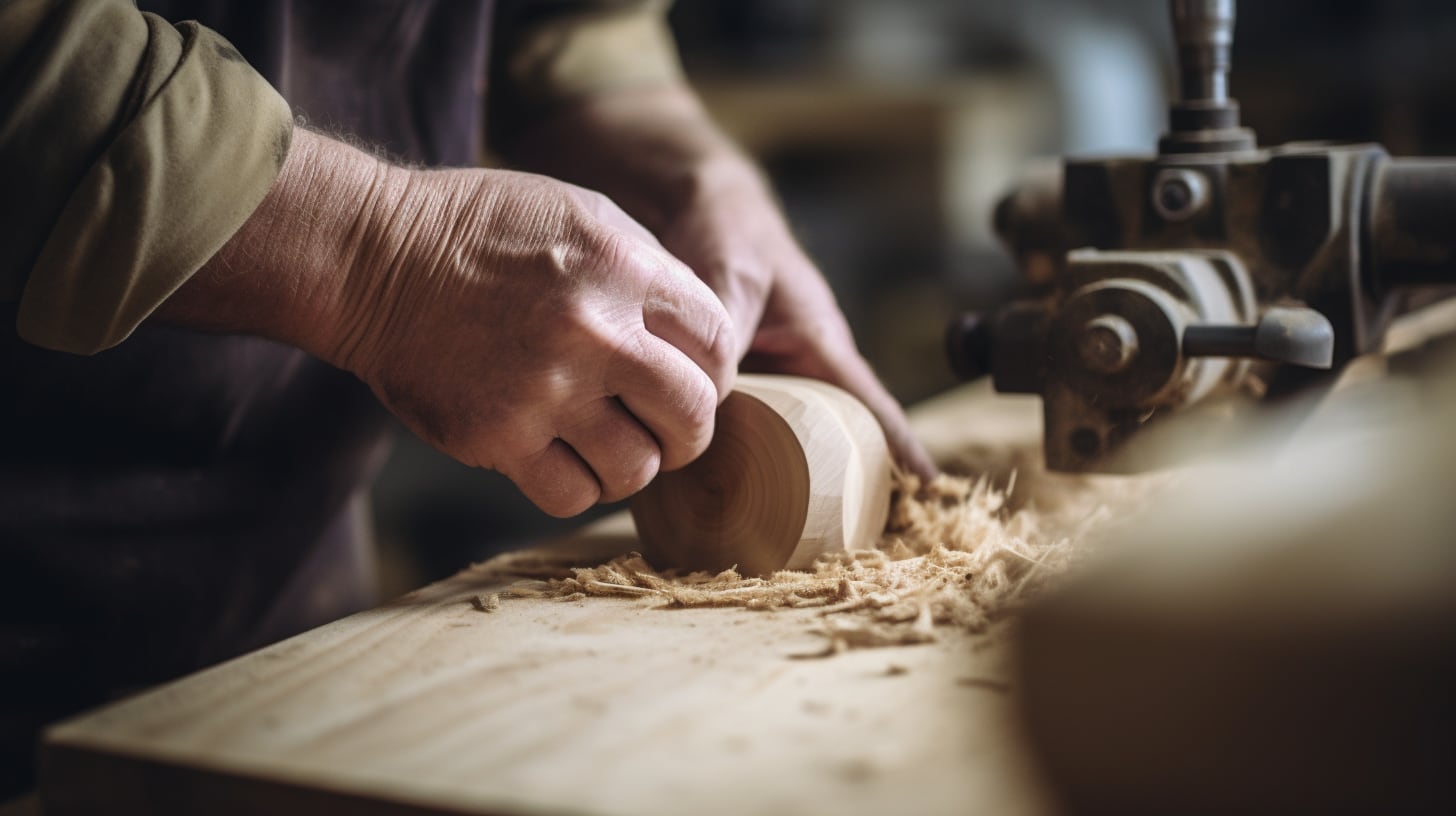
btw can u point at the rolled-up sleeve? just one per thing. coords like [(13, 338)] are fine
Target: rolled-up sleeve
[(549, 53), (130, 151)]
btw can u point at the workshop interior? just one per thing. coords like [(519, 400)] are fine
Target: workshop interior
[(893, 131), (1202, 247), (1243, 202), (1259, 170)]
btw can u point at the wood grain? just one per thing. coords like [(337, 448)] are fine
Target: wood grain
[(797, 468), (601, 707)]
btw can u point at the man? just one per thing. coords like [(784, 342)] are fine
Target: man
[(205, 295)]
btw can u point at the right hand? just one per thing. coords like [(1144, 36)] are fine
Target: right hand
[(525, 325), (514, 322)]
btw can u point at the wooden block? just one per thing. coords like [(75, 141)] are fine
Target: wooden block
[(797, 468)]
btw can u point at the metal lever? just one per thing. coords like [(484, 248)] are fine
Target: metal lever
[(1296, 336)]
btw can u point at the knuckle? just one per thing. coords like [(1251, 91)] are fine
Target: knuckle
[(700, 414), (624, 352), (597, 202), (605, 247), (513, 434), (567, 504), (560, 497), (634, 478), (580, 501), (697, 420), (645, 472), (722, 346)]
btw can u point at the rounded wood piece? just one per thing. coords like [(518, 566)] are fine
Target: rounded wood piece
[(796, 468)]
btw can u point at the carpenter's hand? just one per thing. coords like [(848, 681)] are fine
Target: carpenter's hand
[(655, 150), (515, 322), (785, 315), (525, 325)]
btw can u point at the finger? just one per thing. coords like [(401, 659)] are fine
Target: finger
[(556, 480), (668, 393), (734, 270), (623, 454), (786, 352), (856, 377), (683, 311)]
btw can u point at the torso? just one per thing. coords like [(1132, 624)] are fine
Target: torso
[(183, 497)]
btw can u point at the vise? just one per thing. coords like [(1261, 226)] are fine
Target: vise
[(1213, 268)]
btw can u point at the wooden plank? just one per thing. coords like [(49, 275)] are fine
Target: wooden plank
[(598, 707), (428, 705)]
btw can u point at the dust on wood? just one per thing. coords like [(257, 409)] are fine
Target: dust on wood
[(959, 551)]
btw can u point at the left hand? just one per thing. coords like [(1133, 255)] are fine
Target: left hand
[(734, 237), (657, 154)]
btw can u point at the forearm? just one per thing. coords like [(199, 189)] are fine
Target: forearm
[(280, 276), (655, 151), (319, 263)]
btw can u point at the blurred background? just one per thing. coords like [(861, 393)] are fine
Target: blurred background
[(890, 129)]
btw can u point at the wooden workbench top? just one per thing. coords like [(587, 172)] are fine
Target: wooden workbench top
[(597, 706), (601, 706)]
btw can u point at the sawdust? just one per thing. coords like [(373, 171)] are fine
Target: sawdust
[(485, 603), (960, 551)]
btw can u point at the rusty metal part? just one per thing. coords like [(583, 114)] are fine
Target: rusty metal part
[(1160, 277)]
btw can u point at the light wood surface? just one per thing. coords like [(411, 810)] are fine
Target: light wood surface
[(797, 468), (428, 705)]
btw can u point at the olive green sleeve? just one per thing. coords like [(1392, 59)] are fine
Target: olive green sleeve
[(130, 151), (548, 53)]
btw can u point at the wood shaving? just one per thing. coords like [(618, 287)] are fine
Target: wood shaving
[(956, 552), (486, 603)]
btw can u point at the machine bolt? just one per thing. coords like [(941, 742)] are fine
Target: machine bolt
[(1107, 344), (1179, 194)]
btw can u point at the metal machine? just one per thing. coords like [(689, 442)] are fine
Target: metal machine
[(1212, 268)]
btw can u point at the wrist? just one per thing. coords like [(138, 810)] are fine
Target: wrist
[(320, 240), (290, 273), (411, 235)]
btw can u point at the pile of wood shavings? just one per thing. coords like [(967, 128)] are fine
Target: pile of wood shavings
[(955, 553)]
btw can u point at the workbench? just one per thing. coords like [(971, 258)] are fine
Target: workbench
[(431, 704)]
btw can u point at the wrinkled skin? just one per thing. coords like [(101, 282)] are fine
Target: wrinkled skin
[(513, 321), (555, 342), (524, 324), (656, 152)]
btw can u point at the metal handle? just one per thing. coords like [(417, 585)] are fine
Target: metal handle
[(1296, 336)]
